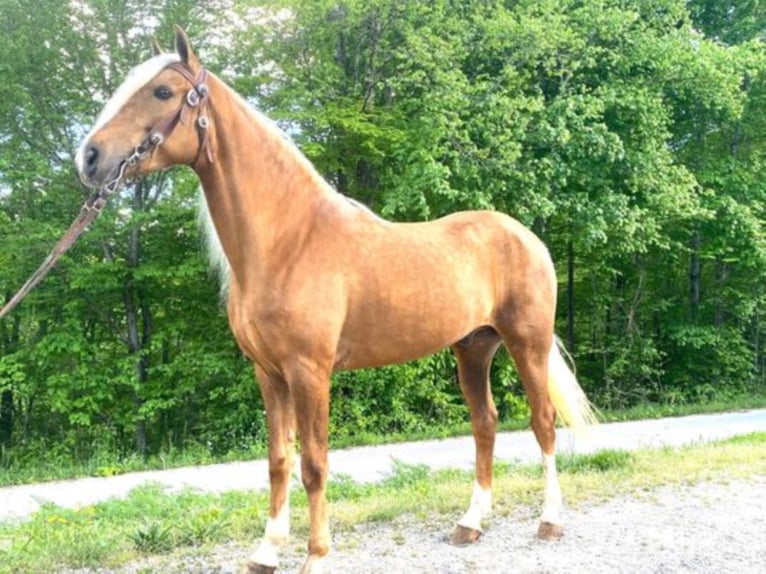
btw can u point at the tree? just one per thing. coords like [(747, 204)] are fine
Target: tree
[(627, 134), (97, 348)]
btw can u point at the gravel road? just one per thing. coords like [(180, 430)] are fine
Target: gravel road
[(703, 528)]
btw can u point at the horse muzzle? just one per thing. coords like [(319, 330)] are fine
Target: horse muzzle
[(94, 166)]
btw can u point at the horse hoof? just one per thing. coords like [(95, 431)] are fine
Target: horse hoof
[(550, 531), (462, 536), (253, 568)]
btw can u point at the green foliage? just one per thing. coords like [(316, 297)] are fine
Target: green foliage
[(627, 134), (410, 398), (701, 357)]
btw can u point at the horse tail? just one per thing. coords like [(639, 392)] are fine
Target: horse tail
[(574, 408)]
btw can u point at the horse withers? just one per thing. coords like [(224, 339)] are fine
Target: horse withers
[(317, 283)]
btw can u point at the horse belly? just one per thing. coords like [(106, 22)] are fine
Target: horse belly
[(413, 320)]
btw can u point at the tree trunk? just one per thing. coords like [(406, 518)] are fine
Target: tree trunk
[(570, 297), (135, 348), (138, 322), (7, 410), (694, 276), (6, 417), (759, 361), (721, 275)]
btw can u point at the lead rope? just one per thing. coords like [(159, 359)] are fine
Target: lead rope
[(197, 96), (90, 210)]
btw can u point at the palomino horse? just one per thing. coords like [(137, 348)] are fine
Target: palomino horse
[(317, 283)]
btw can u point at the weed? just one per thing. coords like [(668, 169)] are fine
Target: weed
[(405, 475), (203, 527), (153, 538), (343, 487)]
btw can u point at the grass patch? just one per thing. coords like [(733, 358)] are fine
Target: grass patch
[(151, 521), (41, 463), (752, 438), (752, 400), (601, 461)]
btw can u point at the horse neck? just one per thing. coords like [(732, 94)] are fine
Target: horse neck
[(260, 191)]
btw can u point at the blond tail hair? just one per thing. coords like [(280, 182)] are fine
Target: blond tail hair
[(574, 408)]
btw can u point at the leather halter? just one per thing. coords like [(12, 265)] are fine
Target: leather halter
[(197, 97)]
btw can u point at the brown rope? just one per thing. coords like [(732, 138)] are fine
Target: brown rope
[(90, 210)]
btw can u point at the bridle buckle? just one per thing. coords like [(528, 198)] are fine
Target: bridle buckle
[(193, 98)]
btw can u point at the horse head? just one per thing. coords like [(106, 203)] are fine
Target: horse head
[(156, 119)]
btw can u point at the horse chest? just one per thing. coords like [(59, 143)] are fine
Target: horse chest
[(275, 335)]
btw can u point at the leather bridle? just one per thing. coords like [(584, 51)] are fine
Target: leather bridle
[(197, 97)]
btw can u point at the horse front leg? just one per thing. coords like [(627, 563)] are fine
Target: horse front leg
[(310, 385), (280, 415)]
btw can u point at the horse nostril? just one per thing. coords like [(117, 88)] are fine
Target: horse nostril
[(91, 159)]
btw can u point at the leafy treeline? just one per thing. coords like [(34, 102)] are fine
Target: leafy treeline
[(629, 134)]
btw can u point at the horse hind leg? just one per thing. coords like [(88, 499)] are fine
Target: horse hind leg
[(530, 353), (474, 358), (550, 388)]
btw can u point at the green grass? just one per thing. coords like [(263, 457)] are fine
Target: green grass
[(661, 410), (41, 464), (152, 521)]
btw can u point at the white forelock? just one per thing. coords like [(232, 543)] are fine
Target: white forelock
[(137, 78)]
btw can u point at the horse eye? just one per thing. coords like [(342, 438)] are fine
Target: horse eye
[(163, 93)]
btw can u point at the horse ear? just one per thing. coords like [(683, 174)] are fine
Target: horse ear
[(184, 49), (156, 48)]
